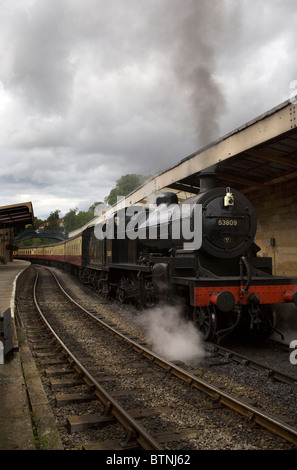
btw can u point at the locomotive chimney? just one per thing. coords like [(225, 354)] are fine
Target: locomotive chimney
[(208, 179)]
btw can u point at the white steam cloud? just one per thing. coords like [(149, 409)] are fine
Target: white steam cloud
[(171, 335)]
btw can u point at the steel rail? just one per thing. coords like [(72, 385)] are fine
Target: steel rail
[(240, 358), (273, 424), (134, 429)]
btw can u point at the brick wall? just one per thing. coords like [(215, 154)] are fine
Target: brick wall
[(276, 209)]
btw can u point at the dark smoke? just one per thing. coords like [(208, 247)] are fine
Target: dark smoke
[(193, 32)]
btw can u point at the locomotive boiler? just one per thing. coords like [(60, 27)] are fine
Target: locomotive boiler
[(199, 253), (222, 282)]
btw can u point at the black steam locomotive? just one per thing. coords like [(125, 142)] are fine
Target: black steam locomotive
[(199, 253)]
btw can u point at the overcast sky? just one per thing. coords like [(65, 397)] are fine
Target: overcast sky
[(95, 89)]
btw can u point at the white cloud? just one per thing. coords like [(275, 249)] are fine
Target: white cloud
[(93, 90)]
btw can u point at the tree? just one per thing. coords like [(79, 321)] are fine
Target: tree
[(69, 220), (37, 222), (93, 206), (125, 185), (83, 217), (53, 221), (73, 220)]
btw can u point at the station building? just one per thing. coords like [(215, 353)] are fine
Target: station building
[(15, 215)]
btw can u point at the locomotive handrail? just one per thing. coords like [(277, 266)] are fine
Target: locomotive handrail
[(244, 261)]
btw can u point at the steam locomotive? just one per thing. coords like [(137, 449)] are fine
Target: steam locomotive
[(199, 253)]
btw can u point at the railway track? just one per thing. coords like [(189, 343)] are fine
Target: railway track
[(271, 372), (139, 424)]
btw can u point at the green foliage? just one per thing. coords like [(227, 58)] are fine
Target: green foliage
[(53, 221), (74, 220), (37, 222), (38, 241), (124, 186)]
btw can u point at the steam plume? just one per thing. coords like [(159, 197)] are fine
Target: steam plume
[(171, 335)]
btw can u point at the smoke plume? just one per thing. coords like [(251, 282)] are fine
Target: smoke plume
[(191, 38)]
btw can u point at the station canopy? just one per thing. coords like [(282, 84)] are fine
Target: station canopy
[(258, 154), (16, 215)]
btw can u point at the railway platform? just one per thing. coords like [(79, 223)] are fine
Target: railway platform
[(15, 420)]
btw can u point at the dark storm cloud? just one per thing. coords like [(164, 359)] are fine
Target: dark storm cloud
[(93, 90)]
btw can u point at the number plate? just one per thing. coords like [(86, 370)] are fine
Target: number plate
[(227, 222)]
